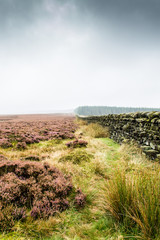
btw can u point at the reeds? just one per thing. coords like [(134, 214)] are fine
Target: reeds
[(134, 200)]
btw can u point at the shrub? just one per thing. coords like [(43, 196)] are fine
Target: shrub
[(77, 143), (4, 143), (76, 157), (46, 208), (42, 189), (21, 145), (80, 199), (19, 213)]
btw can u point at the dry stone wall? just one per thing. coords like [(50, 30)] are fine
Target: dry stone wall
[(142, 127)]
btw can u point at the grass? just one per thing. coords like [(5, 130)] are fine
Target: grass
[(76, 156), (115, 146), (134, 200), (122, 189), (95, 130)]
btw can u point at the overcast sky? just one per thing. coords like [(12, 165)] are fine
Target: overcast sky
[(61, 54)]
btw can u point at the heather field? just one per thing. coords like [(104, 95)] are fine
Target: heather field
[(18, 132), (61, 179)]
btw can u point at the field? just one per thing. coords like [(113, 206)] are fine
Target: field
[(63, 179)]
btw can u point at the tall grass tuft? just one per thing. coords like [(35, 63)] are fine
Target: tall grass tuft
[(135, 200), (95, 130)]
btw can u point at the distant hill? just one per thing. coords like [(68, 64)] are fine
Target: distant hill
[(104, 110)]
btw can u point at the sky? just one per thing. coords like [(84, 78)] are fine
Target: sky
[(60, 54)]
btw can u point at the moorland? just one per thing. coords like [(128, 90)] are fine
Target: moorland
[(61, 178)]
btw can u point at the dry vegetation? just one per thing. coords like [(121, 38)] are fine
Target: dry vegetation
[(94, 130), (120, 186)]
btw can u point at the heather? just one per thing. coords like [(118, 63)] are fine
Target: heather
[(77, 143), (19, 134), (38, 188)]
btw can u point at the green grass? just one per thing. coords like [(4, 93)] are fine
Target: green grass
[(133, 193), (76, 156), (115, 146)]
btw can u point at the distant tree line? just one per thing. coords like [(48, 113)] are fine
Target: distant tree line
[(104, 110)]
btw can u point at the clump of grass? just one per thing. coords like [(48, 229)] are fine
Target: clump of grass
[(99, 168), (39, 229), (132, 149), (76, 156), (6, 218), (80, 122), (134, 201), (119, 195), (96, 131)]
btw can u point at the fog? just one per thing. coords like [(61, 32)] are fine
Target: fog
[(61, 54)]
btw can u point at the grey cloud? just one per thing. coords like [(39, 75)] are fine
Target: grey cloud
[(117, 10), (134, 16), (124, 9), (137, 20), (17, 15), (63, 53)]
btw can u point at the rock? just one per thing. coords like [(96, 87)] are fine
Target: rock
[(145, 148), (158, 157), (153, 146)]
